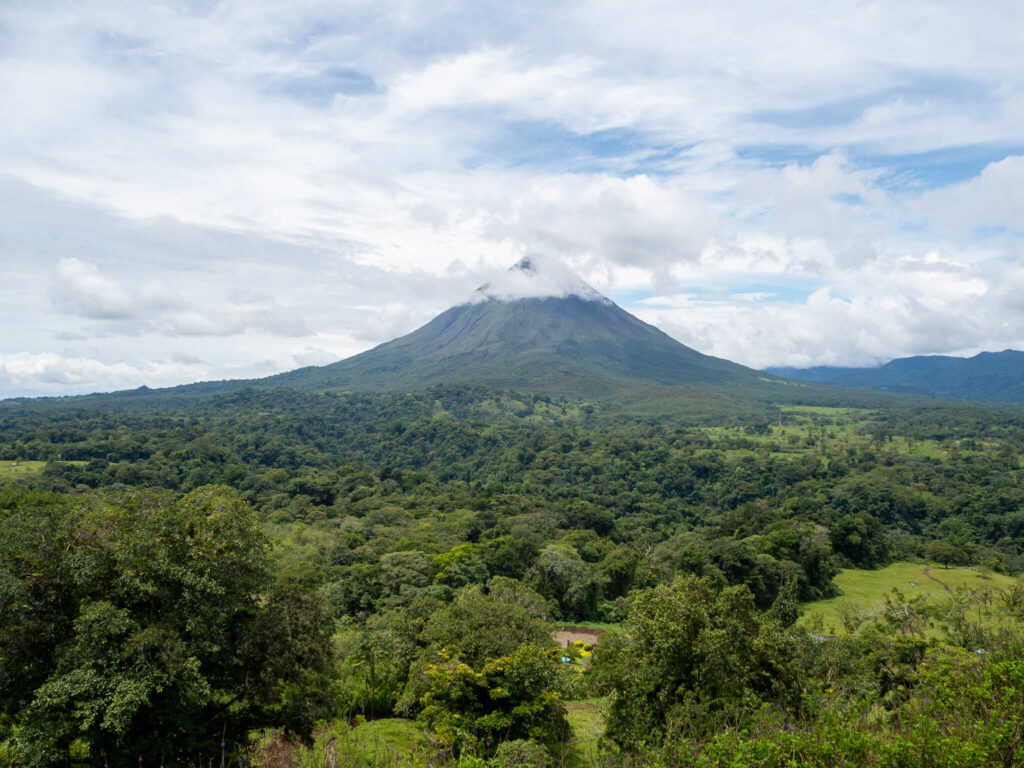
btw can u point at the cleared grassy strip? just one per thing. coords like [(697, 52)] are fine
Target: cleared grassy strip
[(396, 742), (868, 589), (392, 741), (13, 470), (607, 627), (827, 410), (587, 720)]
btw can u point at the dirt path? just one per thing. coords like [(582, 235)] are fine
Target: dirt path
[(570, 634), (928, 573)]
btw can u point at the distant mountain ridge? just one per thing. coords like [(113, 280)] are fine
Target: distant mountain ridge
[(988, 376)]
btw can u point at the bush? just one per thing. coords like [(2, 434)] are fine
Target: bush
[(514, 696), (688, 649), (138, 624), (529, 754)]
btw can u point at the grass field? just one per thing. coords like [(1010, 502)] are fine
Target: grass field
[(597, 625), (587, 720), (808, 428), (394, 742), (869, 588), (13, 470), (391, 741)]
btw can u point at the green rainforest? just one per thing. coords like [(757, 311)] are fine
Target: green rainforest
[(468, 576)]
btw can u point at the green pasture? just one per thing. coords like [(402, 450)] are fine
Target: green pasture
[(395, 741), (868, 589), (391, 741), (375, 741), (14, 470), (825, 410), (606, 626), (587, 720), (807, 428), (930, 448)]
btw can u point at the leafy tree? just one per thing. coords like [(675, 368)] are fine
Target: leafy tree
[(585, 515), (478, 625), (860, 537), (460, 566), (686, 648), (357, 592), (851, 614), (403, 575), (36, 597), (560, 575), (153, 627), (374, 670), (946, 553), (508, 556), (619, 568), (511, 697)]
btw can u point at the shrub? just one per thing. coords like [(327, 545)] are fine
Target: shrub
[(521, 753)]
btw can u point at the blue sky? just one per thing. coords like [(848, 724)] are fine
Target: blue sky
[(213, 189)]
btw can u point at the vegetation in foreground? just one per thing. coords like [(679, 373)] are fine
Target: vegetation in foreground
[(141, 623), (363, 557), (884, 696)]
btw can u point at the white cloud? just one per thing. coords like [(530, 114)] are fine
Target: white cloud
[(80, 289), (285, 183), (47, 372), (909, 306), (993, 198), (534, 277), (154, 306), (314, 356)]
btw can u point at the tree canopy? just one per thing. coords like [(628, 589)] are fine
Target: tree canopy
[(135, 623)]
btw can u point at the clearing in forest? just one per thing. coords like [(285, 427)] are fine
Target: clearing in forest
[(867, 590)]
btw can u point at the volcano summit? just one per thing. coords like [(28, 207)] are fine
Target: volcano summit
[(538, 328)]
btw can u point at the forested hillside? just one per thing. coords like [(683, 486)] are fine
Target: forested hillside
[(427, 542), (997, 376)]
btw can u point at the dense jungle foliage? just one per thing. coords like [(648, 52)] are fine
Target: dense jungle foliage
[(177, 581)]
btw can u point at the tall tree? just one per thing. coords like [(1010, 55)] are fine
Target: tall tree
[(153, 626)]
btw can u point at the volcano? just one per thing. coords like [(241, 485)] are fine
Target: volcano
[(538, 328)]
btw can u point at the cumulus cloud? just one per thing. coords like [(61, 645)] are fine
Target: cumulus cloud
[(914, 306), (80, 289), (48, 372), (273, 185), (994, 198), (536, 276), (636, 221)]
